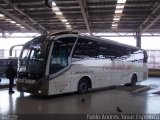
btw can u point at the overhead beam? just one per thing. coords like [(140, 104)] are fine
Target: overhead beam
[(83, 7), (95, 35), (26, 16), (138, 40), (17, 19), (150, 20)]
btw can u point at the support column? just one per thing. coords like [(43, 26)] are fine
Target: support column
[(138, 39)]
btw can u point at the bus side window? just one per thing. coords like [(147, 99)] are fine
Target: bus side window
[(106, 51), (85, 49)]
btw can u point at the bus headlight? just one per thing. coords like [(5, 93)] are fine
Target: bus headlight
[(39, 92)]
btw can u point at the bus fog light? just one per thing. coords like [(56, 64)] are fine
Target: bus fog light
[(39, 92)]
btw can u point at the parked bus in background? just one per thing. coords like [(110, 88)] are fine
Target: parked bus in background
[(68, 62), (153, 62), (4, 63)]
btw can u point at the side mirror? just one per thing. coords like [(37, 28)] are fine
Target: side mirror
[(10, 51)]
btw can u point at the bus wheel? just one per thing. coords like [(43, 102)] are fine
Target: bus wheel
[(133, 80), (83, 86)]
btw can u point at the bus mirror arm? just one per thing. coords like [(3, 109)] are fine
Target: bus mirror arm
[(10, 51)]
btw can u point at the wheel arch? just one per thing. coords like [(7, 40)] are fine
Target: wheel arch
[(134, 79), (135, 74), (88, 78)]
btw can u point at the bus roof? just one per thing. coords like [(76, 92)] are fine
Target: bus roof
[(85, 36), (66, 33), (108, 41)]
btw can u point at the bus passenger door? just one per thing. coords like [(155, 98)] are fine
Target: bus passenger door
[(60, 77), (58, 65)]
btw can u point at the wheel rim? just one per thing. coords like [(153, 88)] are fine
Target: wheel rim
[(83, 87), (134, 80)]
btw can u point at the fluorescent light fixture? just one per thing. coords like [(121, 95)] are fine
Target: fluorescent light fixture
[(116, 19), (68, 26), (114, 25), (12, 21), (53, 3), (121, 1), (67, 23), (8, 19), (118, 11), (64, 20), (61, 17), (58, 13), (22, 27), (119, 6), (1, 15), (55, 8), (18, 24)]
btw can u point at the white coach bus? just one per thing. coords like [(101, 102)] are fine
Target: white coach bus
[(68, 62)]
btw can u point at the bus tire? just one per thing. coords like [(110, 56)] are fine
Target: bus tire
[(133, 80), (83, 86)]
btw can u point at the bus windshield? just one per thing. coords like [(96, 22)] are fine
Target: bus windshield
[(32, 60)]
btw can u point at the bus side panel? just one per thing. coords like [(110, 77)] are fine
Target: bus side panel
[(117, 70), (104, 73), (139, 70), (78, 71), (145, 71), (60, 84), (121, 72), (126, 73), (98, 70)]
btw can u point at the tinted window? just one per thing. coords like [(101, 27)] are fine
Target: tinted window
[(115, 52), (106, 51), (135, 56), (85, 49)]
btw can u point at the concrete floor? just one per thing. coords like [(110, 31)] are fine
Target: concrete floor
[(102, 101)]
